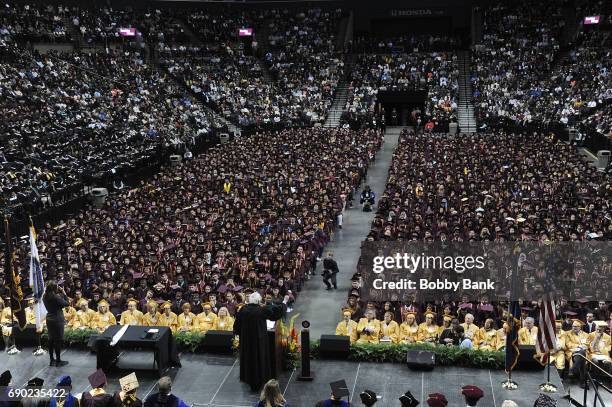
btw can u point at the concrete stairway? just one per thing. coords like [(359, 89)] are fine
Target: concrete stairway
[(341, 95), (75, 33), (337, 108), (465, 107)]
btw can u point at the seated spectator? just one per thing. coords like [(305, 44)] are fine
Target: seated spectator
[(271, 395)]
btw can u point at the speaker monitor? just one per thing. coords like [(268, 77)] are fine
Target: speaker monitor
[(420, 359), (218, 341), (526, 359), (334, 346)]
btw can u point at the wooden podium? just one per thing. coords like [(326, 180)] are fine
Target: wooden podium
[(275, 342)]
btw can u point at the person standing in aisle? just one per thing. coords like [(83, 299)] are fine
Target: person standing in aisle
[(330, 269)]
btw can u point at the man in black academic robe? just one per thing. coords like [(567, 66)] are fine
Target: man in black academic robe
[(250, 325)]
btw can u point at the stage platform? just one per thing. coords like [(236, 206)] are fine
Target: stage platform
[(212, 380)]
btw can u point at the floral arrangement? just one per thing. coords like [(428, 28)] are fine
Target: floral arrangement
[(290, 343)]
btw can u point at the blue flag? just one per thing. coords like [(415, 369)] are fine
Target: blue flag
[(513, 321)]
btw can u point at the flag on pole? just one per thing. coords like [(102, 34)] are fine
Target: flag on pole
[(514, 323), (12, 281), (37, 283), (547, 337)]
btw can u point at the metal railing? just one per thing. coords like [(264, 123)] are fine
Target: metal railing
[(594, 383)]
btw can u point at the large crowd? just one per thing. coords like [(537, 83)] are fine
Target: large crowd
[(256, 220), (176, 252), (34, 22), (67, 117), (486, 188), (522, 74), (435, 73)]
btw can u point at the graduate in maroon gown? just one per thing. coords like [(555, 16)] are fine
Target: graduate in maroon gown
[(250, 325), (97, 396)]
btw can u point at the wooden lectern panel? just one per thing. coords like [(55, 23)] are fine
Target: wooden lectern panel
[(275, 341)]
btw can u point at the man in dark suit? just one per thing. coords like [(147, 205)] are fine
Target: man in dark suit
[(589, 326), (330, 269)]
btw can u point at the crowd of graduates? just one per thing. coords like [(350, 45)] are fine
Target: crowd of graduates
[(184, 253), (573, 334), (488, 188)]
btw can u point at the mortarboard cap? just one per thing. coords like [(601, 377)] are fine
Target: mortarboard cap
[(64, 381), (437, 400), (97, 379), (368, 398), (339, 389), (35, 382), (129, 382), (600, 324), (408, 400), (486, 307), (472, 393), (5, 378), (103, 302)]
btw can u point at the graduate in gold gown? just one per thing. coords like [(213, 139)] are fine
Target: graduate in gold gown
[(70, 314), (5, 319), (29, 312), (528, 334), (501, 336), (167, 317), (389, 329), (151, 317), (428, 331), (103, 318), (487, 337), (186, 320), (206, 319), (224, 321), (84, 316), (132, 316), (347, 327), (409, 328), (576, 349), (469, 327), (368, 328), (557, 355), (599, 344)]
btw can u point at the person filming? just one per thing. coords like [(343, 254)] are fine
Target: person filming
[(55, 300)]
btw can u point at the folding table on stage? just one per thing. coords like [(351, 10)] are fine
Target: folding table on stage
[(158, 339)]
